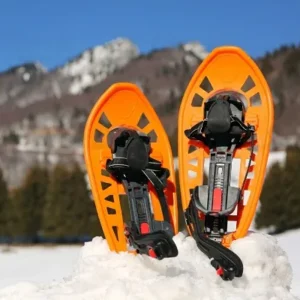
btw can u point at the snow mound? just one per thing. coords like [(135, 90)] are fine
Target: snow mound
[(101, 274)]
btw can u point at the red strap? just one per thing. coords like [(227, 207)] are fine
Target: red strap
[(145, 228), (220, 271), (151, 253), (217, 200)]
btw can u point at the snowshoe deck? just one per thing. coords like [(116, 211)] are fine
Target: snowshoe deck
[(130, 164), (226, 113)]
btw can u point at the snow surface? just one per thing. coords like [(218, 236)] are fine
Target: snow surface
[(101, 274), (290, 243), (37, 264)]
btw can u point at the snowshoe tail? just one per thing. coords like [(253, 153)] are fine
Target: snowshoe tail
[(226, 114), (130, 168)]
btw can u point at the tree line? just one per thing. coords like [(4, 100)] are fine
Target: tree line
[(53, 206), (49, 206), (279, 208), (56, 206)]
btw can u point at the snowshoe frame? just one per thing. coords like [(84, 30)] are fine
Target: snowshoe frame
[(226, 70), (124, 105)]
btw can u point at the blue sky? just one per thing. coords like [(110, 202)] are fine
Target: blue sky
[(54, 31)]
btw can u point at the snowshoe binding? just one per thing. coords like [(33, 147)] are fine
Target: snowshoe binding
[(131, 173), (226, 115)]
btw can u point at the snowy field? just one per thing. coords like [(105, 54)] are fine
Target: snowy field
[(271, 271), (271, 266)]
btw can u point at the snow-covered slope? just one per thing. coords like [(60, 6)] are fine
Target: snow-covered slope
[(101, 274), (196, 48), (95, 64)]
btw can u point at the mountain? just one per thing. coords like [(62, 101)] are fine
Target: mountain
[(281, 68), (43, 112), (29, 83)]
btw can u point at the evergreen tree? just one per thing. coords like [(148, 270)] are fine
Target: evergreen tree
[(290, 195), (69, 213), (280, 198), (57, 206), (94, 226), (27, 205), (4, 207), (83, 206), (271, 212)]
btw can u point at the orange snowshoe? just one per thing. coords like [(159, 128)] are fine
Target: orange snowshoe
[(130, 168), (226, 115)]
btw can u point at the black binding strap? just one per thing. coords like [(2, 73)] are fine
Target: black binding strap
[(223, 132), (222, 258), (132, 162), (134, 168), (220, 121), (199, 131), (159, 187)]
